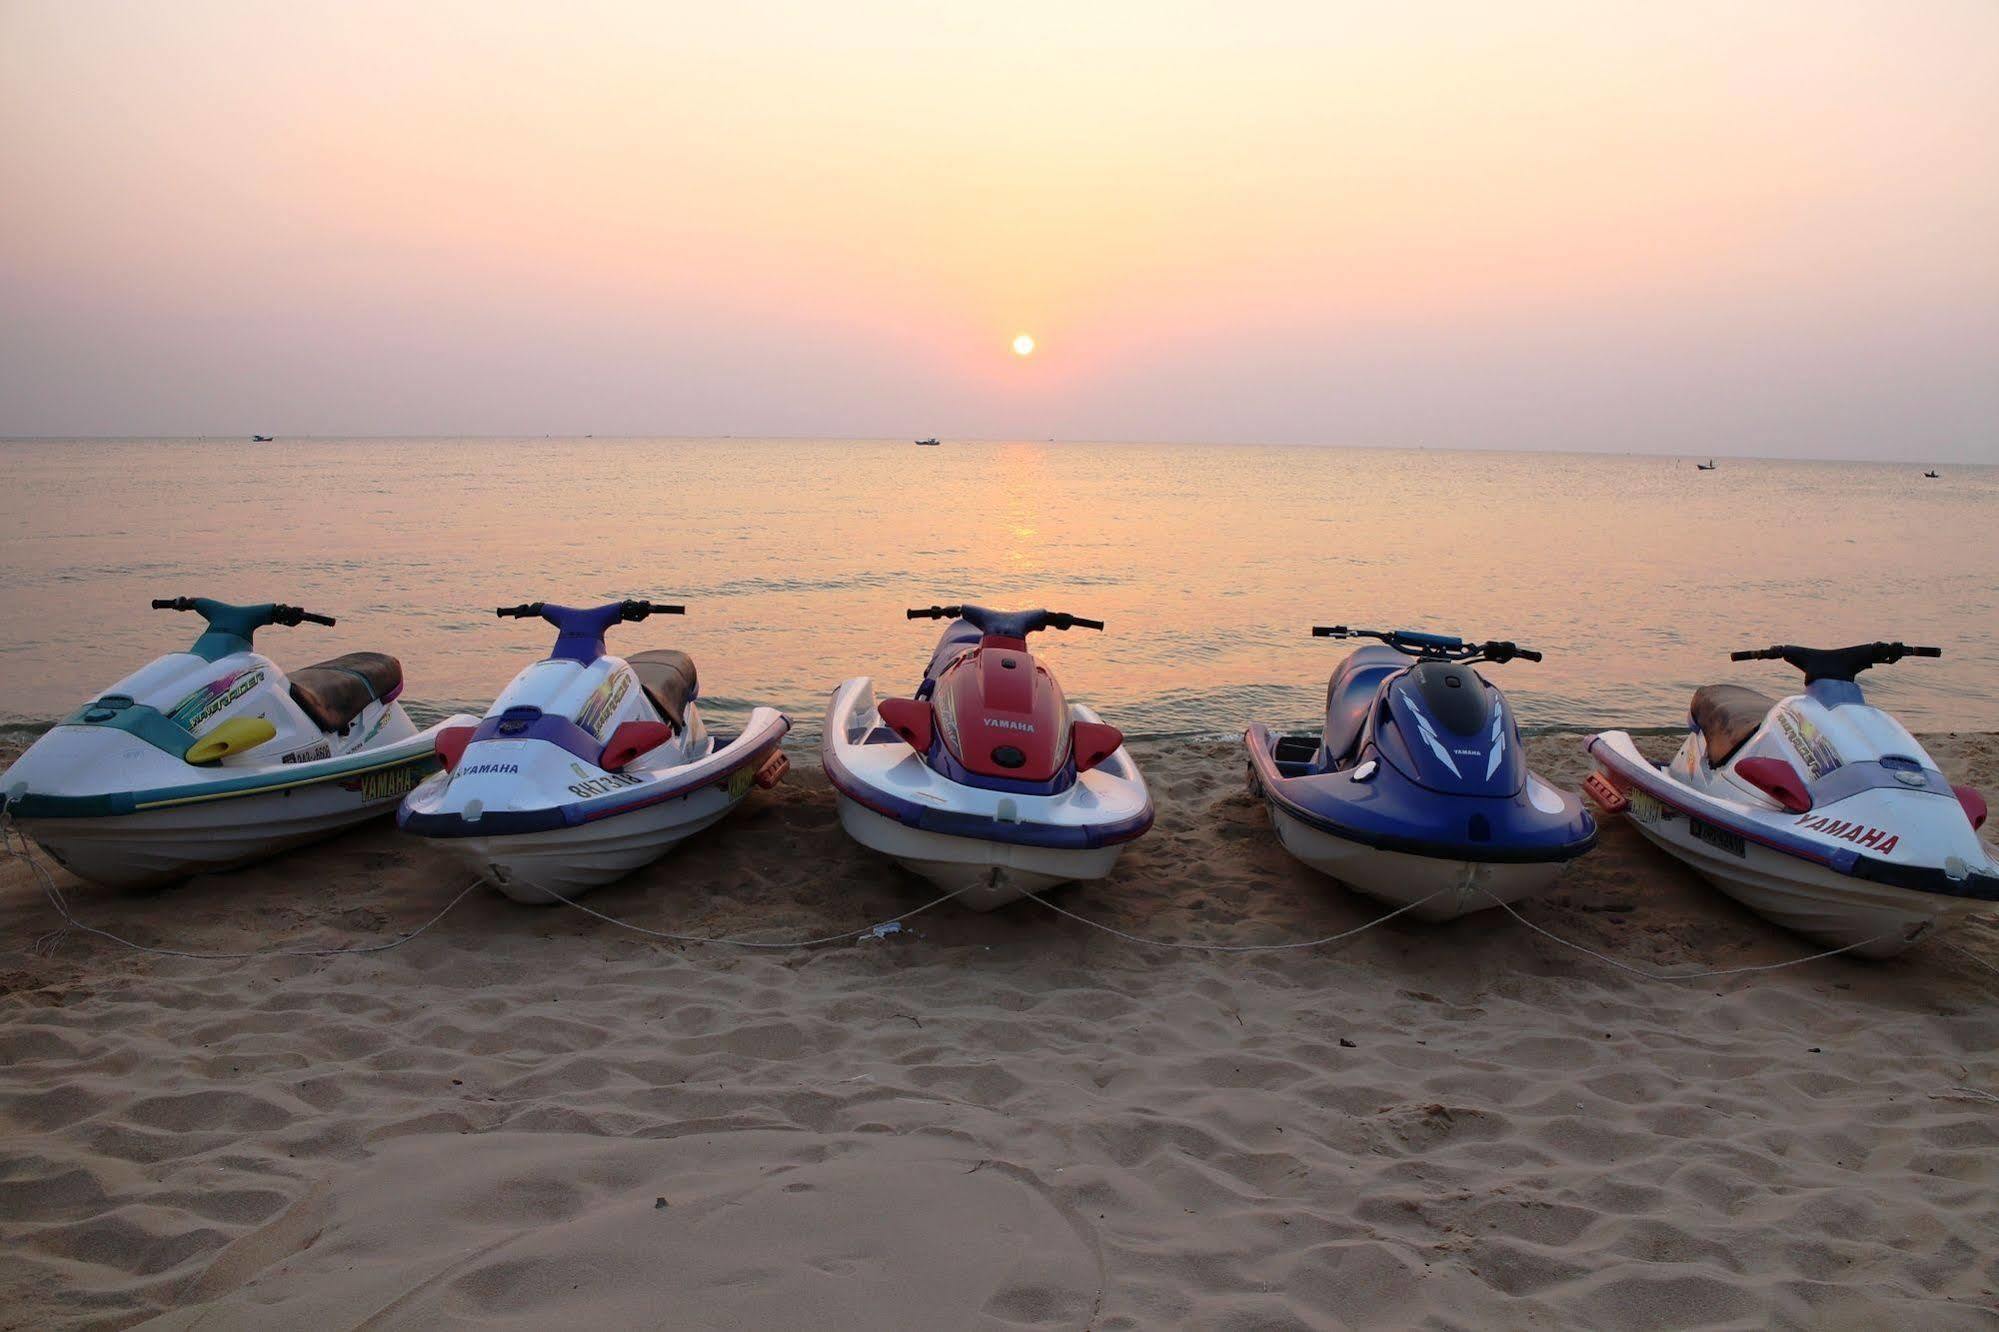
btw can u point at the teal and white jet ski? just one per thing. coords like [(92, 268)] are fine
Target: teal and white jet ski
[(214, 757)]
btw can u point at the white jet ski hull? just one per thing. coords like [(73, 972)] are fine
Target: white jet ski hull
[(1719, 840), (1447, 889), (199, 833), (1824, 906), (531, 867), (984, 874)]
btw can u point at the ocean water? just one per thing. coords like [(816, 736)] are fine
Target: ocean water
[(796, 558)]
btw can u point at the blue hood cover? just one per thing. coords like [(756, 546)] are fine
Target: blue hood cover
[(1456, 739)]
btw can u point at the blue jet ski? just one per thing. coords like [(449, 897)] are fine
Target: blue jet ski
[(1417, 789)]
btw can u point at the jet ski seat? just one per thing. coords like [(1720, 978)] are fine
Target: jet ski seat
[(1727, 716), (668, 678), (958, 636), (334, 691), (1350, 695)]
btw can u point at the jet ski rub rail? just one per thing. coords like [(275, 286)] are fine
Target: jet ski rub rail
[(30, 805), (1841, 860), (952, 823), (755, 748)]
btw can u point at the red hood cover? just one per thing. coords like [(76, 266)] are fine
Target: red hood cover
[(1003, 715)]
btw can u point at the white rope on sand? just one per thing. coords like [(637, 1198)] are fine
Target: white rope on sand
[(1966, 952), (876, 929), (53, 891), (1647, 974), (48, 943), (1231, 948)]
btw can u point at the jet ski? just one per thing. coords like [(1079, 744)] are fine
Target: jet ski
[(988, 782), (588, 765), (214, 757), (1416, 790), (1817, 811)]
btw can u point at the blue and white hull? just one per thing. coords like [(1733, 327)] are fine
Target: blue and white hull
[(1390, 839), (539, 821)]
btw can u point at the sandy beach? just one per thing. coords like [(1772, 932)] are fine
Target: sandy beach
[(529, 1118)]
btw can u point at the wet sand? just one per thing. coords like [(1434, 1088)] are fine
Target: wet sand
[(528, 1118)]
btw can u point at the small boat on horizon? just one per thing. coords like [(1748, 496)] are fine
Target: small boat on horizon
[(1931, 475), (1707, 466), (260, 439), (927, 443)]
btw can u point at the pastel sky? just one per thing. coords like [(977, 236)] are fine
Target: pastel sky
[(1735, 228)]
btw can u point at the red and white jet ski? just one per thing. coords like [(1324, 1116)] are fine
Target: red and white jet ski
[(988, 782), (1818, 810)]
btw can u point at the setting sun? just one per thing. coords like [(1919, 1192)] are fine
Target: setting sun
[(1023, 345)]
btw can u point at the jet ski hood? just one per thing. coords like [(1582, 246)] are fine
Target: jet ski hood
[(1446, 729)]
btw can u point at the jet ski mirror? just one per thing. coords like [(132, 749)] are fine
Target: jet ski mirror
[(1973, 803), (1778, 780), (1094, 743), (914, 721), (632, 739), (450, 745), (232, 737)]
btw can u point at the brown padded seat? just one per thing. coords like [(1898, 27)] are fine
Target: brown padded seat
[(1728, 715), (334, 692), (668, 677)]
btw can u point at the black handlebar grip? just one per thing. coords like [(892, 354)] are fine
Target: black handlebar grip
[(1329, 631), (167, 603), (1925, 652), (326, 620), (1528, 653), (1081, 623), (1749, 654), (526, 610)]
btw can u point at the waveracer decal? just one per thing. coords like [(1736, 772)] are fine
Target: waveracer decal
[(213, 697), (588, 765)]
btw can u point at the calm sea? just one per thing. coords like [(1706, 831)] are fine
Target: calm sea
[(1636, 575)]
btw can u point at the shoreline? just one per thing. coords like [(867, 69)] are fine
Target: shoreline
[(1005, 1117)]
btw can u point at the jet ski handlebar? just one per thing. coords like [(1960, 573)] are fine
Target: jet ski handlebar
[(1835, 663), (1013, 624), (1434, 647), (627, 610), (237, 618)]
